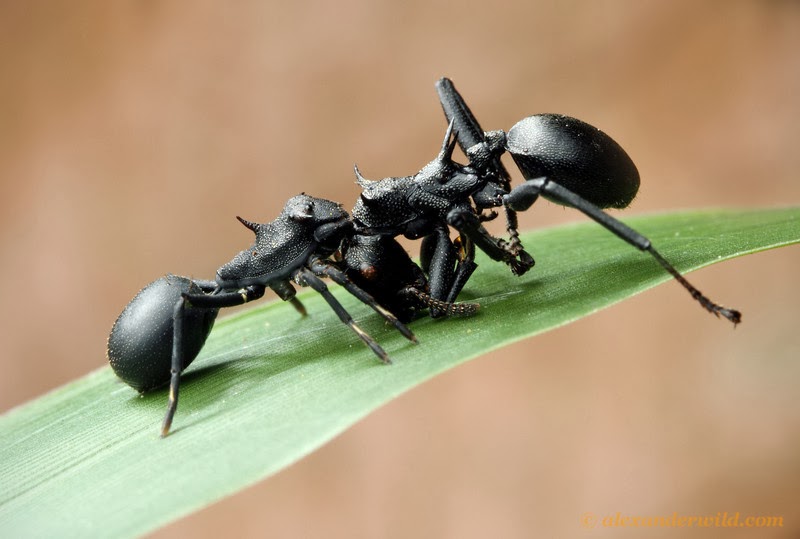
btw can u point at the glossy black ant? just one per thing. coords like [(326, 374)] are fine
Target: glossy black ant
[(164, 327), (565, 160)]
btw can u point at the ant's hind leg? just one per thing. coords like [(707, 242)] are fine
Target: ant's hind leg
[(177, 364), (185, 334), (525, 193)]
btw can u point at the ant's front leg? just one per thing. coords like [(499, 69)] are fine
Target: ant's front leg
[(465, 266), (439, 260), (468, 224)]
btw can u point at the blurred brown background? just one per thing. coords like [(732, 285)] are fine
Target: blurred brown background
[(131, 133)]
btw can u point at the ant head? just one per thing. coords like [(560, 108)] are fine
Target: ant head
[(309, 210)]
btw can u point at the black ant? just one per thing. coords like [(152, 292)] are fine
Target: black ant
[(562, 159)]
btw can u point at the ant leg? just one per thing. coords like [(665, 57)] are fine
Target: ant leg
[(206, 286), (514, 243), (426, 252), (198, 301), (226, 299), (524, 195), (465, 267), (469, 225), (286, 292), (304, 275), (449, 266), (323, 268), (447, 308), (298, 306), (177, 364), (439, 259)]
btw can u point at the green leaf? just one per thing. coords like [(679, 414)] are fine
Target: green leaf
[(270, 387)]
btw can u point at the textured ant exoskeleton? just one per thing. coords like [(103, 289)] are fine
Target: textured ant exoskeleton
[(442, 194), (562, 159), (566, 161), (379, 264), (164, 327)]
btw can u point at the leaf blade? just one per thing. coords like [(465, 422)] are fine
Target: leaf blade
[(270, 385)]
